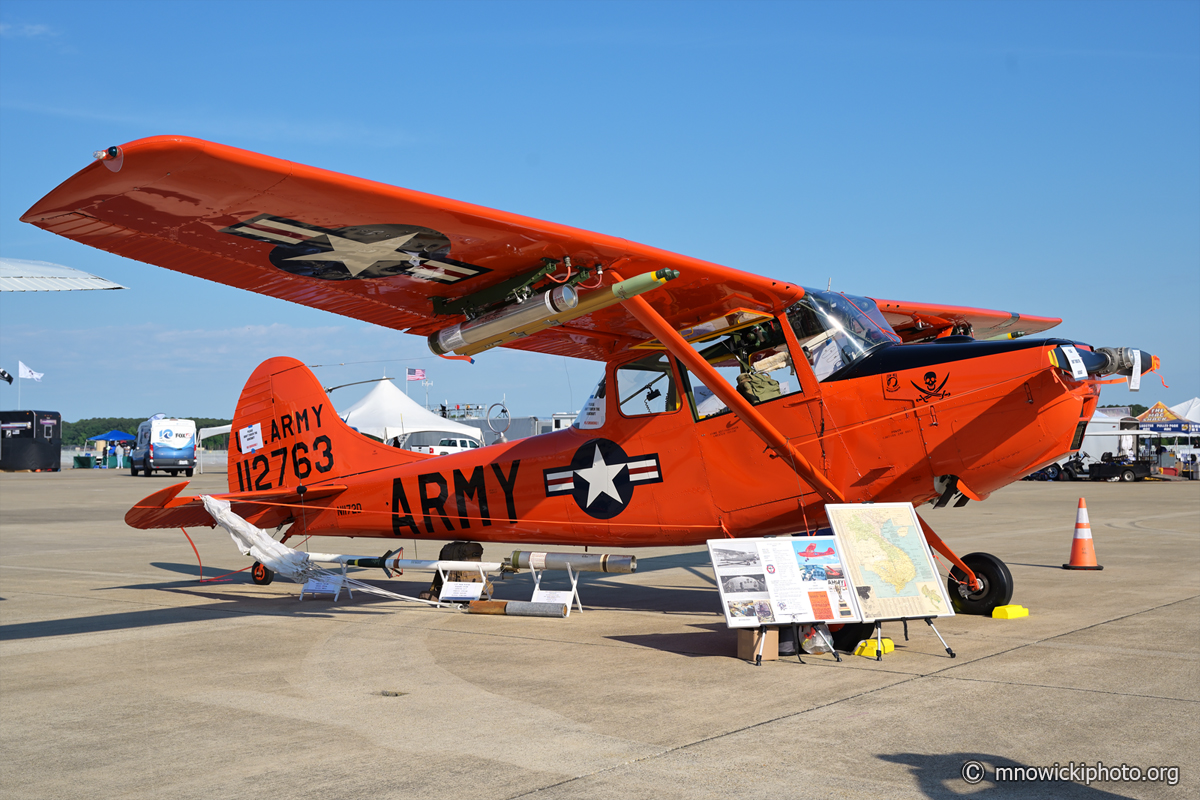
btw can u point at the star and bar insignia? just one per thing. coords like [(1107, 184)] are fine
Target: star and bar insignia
[(356, 252), (601, 477)]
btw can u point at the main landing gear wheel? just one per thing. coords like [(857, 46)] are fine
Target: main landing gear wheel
[(849, 635), (261, 575), (995, 585)]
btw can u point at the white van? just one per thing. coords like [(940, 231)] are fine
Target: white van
[(164, 443)]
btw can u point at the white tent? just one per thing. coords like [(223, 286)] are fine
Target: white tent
[(387, 413), (1189, 410)]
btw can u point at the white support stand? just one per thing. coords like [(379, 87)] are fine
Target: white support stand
[(567, 598), (328, 585), (463, 591)]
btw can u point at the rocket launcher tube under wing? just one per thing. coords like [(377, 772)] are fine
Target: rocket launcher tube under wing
[(586, 304), (578, 562)]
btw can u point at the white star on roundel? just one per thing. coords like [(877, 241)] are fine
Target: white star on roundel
[(599, 477), (359, 256)]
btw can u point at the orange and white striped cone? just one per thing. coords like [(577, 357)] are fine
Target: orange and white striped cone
[(1083, 554)]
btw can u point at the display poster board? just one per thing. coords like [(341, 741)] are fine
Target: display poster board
[(888, 561), (783, 580)]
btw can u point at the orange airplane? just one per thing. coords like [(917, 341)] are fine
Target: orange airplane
[(732, 405), (811, 552)]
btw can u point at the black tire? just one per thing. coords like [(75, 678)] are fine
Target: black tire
[(849, 635), (188, 472), (1128, 476), (1053, 472), (261, 575), (995, 585), (146, 468), (1069, 474), (132, 469)]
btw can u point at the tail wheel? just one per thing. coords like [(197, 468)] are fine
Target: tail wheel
[(995, 585), (261, 575)]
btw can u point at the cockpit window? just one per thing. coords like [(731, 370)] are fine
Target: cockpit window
[(754, 361), (647, 386), (835, 330)]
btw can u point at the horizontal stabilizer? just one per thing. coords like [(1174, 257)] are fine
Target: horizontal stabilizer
[(165, 509)]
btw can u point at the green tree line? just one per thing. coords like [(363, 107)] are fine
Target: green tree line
[(77, 433)]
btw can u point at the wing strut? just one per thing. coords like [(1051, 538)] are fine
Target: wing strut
[(644, 313)]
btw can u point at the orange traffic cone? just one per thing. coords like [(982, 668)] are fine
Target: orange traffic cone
[(1083, 555)]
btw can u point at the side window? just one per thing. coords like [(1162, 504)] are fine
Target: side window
[(754, 361), (647, 386)]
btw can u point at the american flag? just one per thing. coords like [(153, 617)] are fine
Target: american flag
[(416, 374)]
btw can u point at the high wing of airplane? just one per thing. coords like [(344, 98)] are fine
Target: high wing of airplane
[(731, 405)]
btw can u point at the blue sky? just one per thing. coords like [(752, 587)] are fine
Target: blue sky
[(1034, 157)]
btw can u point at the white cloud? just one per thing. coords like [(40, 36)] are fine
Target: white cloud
[(10, 31)]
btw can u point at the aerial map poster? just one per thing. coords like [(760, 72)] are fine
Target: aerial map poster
[(782, 580), (888, 561)]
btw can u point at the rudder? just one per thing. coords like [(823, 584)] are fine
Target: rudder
[(286, 432)]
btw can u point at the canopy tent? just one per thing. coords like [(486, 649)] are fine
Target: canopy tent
[(1165, 420), (216, 430), (111, 436), (1189, 410), (387, 413)]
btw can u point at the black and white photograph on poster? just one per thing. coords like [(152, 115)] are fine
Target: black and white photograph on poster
[(739, 554), (737, 584)]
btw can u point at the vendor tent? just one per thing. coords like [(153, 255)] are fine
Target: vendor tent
[(1165, 420), (388, 413), (111, 436)]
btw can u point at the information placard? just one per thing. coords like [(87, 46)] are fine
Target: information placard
[(783, 580), (888, 561), (461, 591)]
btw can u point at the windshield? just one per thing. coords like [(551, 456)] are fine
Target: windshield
[(835, 330)]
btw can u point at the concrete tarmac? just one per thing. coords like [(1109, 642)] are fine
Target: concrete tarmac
[(123, 676)]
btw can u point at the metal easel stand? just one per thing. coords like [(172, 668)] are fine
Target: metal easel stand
[(820, 628), (929, 622), (574, 599)]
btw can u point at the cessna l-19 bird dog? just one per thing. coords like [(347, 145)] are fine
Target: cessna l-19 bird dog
[(731, 404)]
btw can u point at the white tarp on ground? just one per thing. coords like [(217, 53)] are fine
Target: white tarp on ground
[(1189, 410), (386, 412)]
